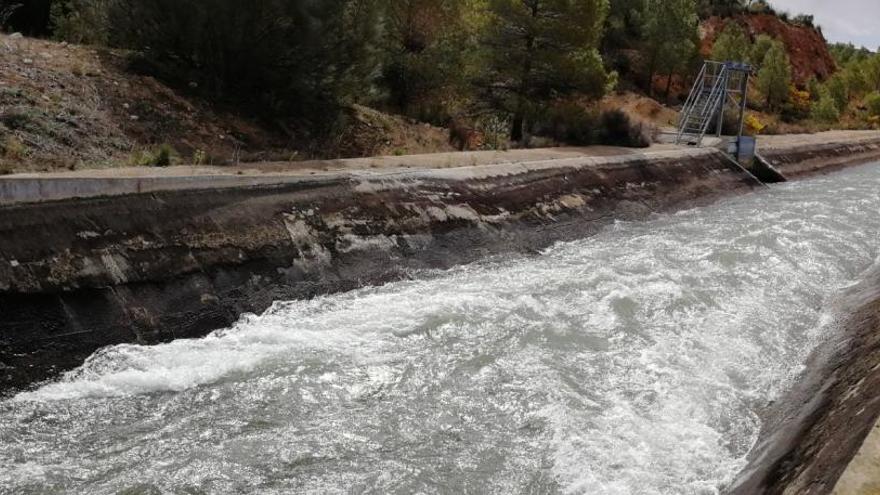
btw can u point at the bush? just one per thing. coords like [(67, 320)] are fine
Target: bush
[(575, 124), (617, 129), (837, 89), (80, 21), (570, 122), (12, 148), (732, 44), (18, 119), (6, 12), (753, 125), (797, 107), (774, 77), (723, 8), (825, 110), (872, 103), (762, 7), (495, 132), (161, 156), (804, 20), (298, 59)]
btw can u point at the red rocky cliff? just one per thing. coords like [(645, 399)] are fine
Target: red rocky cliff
[(806, 46)]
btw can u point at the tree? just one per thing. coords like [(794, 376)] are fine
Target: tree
[(623, 26), (80, 21), (540, 50), (759, 49), (723, 8), (31, 17), (623, 32), (871, 71), (428, 56), (732, 45), (670, 38), (298, 59), (844, 53), (838, 91), (774, 77), (872, 103), (825, 110)]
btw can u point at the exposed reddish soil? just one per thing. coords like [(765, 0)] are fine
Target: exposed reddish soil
[(806, 46)]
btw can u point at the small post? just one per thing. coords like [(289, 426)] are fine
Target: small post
[(744, 91), (723, 101)]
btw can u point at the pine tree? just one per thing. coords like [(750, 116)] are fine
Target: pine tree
[(774, 77), (301, 59), (838, 91), (871, 71), (825, 110), (759, 49), (724, 8), (670, 38), (538, 50), (732, 45), (428, 57)]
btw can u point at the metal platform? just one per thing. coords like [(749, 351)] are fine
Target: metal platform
[(718, 86)]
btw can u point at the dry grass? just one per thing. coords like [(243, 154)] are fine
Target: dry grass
[(640, 108)]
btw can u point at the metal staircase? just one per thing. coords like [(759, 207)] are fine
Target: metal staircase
[(717, 84)]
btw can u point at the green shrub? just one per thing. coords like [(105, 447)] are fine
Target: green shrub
[(13, 148), (872, 103), (570, 122), (825, 110), (723, 8), (495, 132), (16, 119), (575, 124), (199, 157), (303, 60), (161, 156), (617, 129), (732, 44), (838, 91), (804, 20), (774, 77), (80, 21)]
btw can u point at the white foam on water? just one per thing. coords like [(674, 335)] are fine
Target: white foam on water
[(636, 361)]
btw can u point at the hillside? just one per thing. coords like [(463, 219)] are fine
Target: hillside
[(64, 106), (67, 106), (806, 46)]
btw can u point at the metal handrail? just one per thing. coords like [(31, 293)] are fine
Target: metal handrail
[(718, 91), (699, 82), (718, 88)]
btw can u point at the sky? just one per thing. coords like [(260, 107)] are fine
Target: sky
[(853, 21)]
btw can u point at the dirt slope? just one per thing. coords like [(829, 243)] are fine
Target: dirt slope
[(65, 106)]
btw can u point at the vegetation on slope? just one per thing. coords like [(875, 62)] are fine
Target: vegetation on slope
[(495, 73)]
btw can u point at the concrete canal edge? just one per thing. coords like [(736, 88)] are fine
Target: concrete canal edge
[(814, 432), (147, 260)]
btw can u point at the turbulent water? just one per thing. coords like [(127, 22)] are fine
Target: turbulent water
[(636, 361)]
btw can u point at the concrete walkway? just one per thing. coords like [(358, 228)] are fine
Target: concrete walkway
[(35, 187), (862, 477)]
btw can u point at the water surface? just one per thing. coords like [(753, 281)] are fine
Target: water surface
[(638, 361)]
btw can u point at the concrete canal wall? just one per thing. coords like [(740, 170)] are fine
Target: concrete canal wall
[(87, 262)]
